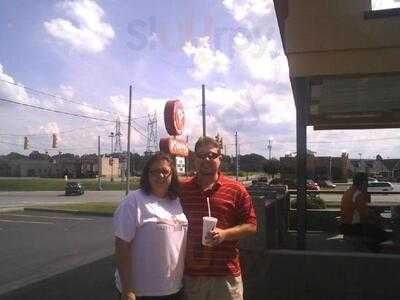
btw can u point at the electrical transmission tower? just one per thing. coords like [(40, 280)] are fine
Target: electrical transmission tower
[(118, 146), (152, 134)]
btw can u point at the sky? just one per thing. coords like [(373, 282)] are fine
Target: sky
[(81, 56)]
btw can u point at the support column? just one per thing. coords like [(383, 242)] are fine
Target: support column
[(301, 92)]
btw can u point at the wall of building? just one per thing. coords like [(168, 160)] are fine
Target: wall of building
[(108, 170)]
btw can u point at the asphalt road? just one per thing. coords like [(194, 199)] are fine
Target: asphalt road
[(21, 199), (36, 245)]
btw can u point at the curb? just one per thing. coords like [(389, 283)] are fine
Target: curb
[(11, 209), (68, 211)]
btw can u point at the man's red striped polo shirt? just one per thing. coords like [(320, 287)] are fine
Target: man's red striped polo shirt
[(231, 204)]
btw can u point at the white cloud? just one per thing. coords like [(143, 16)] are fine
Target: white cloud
[(90, 33), (251, 110), (67, 91), (385, 4), (205, 60), (50, 128), (368, 142), (262, 58), (9, 90), (246, 9)]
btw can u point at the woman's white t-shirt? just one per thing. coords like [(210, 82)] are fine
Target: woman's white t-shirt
[(157, 229)]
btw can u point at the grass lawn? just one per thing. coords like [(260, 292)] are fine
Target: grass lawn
[(94, 207), (58, 184)]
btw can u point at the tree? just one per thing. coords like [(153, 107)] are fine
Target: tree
[(36, 155), (271, 166), (14, 156), (251, 162)]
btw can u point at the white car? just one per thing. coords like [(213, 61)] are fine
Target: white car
[(381, 186)]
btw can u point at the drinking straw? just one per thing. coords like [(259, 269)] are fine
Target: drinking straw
[(208, 205)]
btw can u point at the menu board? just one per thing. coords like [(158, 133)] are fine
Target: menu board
[(355, 102)]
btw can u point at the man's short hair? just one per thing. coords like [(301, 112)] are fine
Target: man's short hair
[(206, 141), (359, 179)]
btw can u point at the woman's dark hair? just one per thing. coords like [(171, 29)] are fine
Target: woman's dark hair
[(144, 179)]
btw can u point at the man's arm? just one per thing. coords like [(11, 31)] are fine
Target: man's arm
[(247, 224), (123, 259), (219, 235)]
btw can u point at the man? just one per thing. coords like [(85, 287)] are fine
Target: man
[(356, 217), (213, 272)]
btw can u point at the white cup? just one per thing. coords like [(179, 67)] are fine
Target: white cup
[(209, 224)]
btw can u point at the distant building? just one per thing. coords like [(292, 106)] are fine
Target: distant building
[(110, 166), (392, 168), (318, 167), (388, 168), (32, 167)]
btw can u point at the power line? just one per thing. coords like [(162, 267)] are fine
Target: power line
[(65, 113), (65, 99), (55, 96), (56, 111), (47, 134), (317, 142)]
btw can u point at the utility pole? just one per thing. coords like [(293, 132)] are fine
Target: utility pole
[(187, 158), (112, 142), (128, 162), (99, 165), (203, 106), (269, 147), (237, 157)]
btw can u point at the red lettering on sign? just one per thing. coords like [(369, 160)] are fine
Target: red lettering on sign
[(174, 147)]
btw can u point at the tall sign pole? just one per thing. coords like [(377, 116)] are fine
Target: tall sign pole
[(237, 156), (269, 147), (99, 165), (128, 162)]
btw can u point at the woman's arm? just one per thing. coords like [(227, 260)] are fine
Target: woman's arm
[(123, 258)]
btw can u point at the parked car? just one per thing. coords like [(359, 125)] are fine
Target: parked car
[(291, 184), (312, 185), (372, 179), (326, 184), (380, 186), (260, 179), (74, 188)]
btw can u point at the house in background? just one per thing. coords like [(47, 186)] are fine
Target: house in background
[(386, 168)]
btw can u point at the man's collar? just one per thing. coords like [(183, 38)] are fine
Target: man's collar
[(217, 184)]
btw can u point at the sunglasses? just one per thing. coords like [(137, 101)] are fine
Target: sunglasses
[(208, 156), (160, 173)]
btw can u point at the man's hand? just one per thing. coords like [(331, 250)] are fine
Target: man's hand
[(216, 236), (128, 296)]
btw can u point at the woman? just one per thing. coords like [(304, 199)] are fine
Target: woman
[(150, 235)]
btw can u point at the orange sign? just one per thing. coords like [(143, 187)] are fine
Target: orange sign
[(174, 117), (174, 147)]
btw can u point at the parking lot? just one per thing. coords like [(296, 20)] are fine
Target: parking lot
[(36, 245)]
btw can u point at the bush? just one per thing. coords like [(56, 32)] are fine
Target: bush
[(276, 181), (313, 202), (242, 174)]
